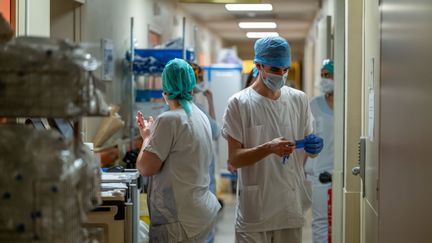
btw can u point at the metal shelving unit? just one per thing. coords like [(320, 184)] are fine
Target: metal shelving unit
[(148, 64)]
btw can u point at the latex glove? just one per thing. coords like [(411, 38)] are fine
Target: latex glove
[(313, 144)]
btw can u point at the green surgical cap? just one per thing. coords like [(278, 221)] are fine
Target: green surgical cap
[(178, 80), (328, 65)]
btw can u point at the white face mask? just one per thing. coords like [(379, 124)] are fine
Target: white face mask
[(326, 85), (165, 98), (274, 81)]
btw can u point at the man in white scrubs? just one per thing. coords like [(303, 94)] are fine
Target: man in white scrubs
[(176, 153), (262, 124), (319, 169)]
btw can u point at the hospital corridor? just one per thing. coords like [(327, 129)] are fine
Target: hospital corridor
[(215, 121)]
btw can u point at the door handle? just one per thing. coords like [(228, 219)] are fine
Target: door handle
[(356, 170)]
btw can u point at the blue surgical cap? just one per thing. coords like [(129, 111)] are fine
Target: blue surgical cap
[(273, 51), (328, 65), (178, 80)]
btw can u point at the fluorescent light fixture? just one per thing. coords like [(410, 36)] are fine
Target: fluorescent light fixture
[(261, 34), (220, 1), (257, 25), (249, 7)]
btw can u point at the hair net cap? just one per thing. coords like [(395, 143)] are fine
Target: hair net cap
[(178, 80), (328, 65), (273, 51)]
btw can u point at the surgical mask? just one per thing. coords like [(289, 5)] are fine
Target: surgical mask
[(165, 98), (326, 85), (274, 81)]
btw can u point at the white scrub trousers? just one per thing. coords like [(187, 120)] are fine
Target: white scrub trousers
[(274, 236), (320, 212)]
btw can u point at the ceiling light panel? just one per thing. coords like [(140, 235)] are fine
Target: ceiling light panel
[(261, 34), (249, 7), (220, 1), (257, 25)]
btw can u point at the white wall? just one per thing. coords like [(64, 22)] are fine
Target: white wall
[(318, 46), (309, 65), (328, 8), (110, 19)]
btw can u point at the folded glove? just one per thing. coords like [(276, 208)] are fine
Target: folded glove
[(313, 144)]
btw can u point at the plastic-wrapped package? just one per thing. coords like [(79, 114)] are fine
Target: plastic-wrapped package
[(41, 77), (108, 127), (47, 186), (90, 179)]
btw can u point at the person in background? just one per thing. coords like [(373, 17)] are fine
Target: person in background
[(176, 154), (203, 98), (262, 124), (250, 79), (319, 169)]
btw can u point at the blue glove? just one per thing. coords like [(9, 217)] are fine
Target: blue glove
[(300, 143), (313, 144)]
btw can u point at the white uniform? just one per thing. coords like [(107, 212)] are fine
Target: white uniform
[(180, 203), (271, 195), (323, 127)]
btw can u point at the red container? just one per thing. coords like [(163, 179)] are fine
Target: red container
[(329, 213)]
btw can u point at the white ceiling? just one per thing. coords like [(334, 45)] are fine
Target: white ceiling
[(293, 19)]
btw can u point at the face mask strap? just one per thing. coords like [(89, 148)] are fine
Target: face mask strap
[(263, 71)]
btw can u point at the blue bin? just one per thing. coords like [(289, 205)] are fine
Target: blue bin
[(146, 94)]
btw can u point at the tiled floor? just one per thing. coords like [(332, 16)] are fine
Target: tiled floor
[(225, 224)]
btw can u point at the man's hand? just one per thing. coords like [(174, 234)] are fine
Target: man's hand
[(281, 146), (144, 125)]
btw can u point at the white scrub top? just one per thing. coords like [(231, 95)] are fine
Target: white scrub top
[(271, 195), (179, 194), (324, 128)]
